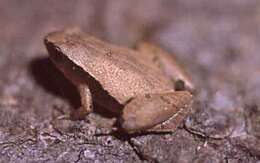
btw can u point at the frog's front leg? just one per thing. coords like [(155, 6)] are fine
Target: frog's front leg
[(156, 112), (86, 102)]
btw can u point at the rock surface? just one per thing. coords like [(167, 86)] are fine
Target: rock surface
[(217, 41)]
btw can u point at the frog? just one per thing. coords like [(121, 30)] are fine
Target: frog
[(137, 85)]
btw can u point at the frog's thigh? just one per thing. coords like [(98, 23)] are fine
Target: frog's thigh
[(166, 63), (151, 111), (86, 102)]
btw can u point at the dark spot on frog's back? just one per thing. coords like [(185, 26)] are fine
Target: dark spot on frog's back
[(147, 96), (179, 85)]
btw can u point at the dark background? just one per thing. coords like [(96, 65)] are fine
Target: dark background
[(216, 41)]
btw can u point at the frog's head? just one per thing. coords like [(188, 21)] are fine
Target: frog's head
[(64, 51), (53, 43), (74, 45)]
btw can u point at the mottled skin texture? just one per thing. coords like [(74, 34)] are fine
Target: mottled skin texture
[(135, 84)]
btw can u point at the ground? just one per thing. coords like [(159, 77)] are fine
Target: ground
[(216, 41)]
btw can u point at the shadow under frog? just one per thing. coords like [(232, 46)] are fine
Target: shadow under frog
[(53, 81)]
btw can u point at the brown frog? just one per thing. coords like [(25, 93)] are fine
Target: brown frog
[(136, 84)]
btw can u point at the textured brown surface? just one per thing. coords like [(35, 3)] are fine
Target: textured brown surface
[(217, 41)]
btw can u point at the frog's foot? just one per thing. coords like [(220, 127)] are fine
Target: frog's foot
[(79, 114), (156, 112), (173, 122), (86, 103)]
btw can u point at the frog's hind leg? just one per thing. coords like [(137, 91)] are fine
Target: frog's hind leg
[(156, 112), (86, 103), (167, 64)]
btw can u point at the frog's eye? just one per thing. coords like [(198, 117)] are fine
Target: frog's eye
[(55, 53), (74, 68)]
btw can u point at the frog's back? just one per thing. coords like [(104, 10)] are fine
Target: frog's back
[(118, 70)]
